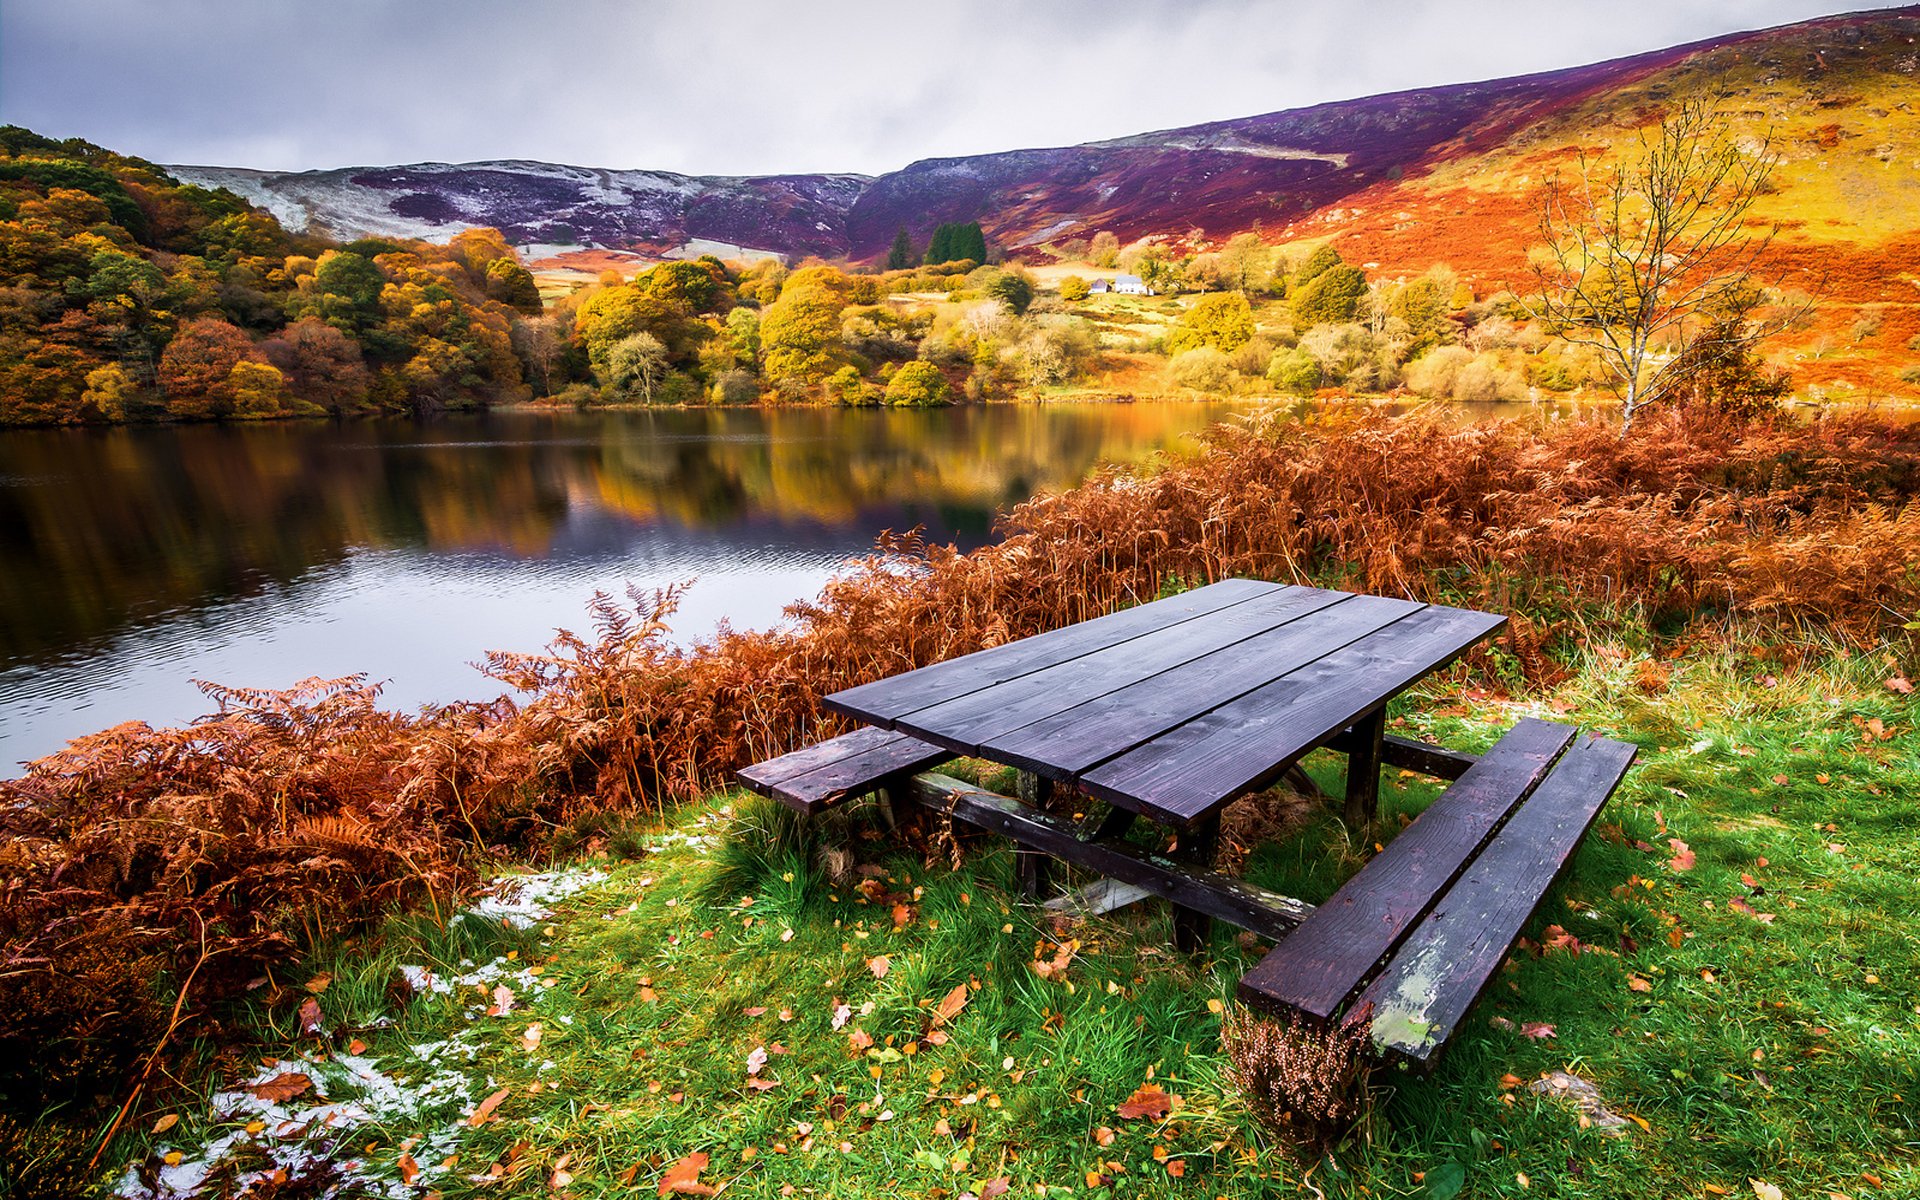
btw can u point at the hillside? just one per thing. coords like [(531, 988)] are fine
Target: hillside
[(1390, 169)]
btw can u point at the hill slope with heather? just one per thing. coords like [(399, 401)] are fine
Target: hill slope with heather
[(1392, 170)]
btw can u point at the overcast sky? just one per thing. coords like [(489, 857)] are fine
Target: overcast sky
[(758, 86)]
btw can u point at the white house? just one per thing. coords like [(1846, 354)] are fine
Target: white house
[(1124, 285)]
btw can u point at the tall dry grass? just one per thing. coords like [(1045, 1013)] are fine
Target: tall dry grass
[(136, 853)]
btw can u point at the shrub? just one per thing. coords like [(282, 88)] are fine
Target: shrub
[(1304, 1082), (918, 385), (1222, 321), (1456, 373), (1294, 371), (736, 387), (1203, 369), (1074, 288), (1333, 296)]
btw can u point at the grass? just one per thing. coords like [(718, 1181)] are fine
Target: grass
[(1773, 1033)]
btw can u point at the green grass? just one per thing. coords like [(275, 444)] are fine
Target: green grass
[(1780, 1050)]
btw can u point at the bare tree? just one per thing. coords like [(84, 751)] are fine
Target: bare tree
[(1644, 258)]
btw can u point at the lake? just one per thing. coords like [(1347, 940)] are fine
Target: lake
[(135, 560)]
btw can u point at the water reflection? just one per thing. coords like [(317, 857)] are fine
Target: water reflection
[(132, 560)]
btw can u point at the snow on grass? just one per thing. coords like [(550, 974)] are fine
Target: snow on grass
[(523, 900)]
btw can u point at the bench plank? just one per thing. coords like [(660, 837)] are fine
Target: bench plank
[(968, 722), (1448, 959), (764, 775), (878, 701), (1081, 737), (841, 767), (1319, 965), (1188, 772)]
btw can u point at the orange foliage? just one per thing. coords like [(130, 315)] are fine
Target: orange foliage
[(297, 811)]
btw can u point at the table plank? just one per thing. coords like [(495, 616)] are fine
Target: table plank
[(1073, 741), (1187, 772), (883, 700), (968, 722)]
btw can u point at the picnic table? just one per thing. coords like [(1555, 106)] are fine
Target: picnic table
[(1172, 710)]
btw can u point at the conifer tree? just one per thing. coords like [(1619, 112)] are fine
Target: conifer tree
[(901, 256)]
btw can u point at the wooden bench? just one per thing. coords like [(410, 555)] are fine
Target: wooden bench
[(1416, 935), (850, 765)]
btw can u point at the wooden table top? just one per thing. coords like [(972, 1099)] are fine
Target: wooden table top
[(1174, 708)]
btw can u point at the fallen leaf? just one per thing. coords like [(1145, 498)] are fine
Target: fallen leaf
[(763, 1085), (167, 1122), (409, 1169), (951, 1004), (753, 1012), (502, 1001), (319, 983), (1177, 1167), (1715, 1189), (310, 1016), (486, 1108), (1539, 1030), (356, 1046), (1765, 1191), (683, 1177), (531, 1038), (996, 1186), (756, 1059), (901, 915), (861, 1039), (1148, 1101), (1900, 684), (880, 965), (282, 1088), (1638, 983), (1682, 859), (1103, 1136)]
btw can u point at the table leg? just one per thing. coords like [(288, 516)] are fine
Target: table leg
[(1363, 769), (1033, 871), (1191, 929)]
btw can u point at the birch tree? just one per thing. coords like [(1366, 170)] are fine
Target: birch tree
[(1644, 257)]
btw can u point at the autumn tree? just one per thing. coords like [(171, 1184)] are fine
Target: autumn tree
[(321, 365), (197, 366), (1222, 321), (1330, 295), (1104, 250), (1246, 263), (800, 334), (1643, 258), (918, 385), (513, 285), (636, 365)]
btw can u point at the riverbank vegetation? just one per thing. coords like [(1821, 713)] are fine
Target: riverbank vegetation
[(127, 296), (154, 875)]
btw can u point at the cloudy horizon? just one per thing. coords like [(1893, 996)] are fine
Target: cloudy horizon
[(746, 87)]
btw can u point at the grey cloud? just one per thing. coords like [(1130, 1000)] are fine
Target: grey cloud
[(756, 86)]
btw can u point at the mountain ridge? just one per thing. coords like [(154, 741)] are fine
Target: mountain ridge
[(1195, 183)]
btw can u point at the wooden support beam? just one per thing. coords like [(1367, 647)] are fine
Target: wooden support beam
[(1424, 758), (1240, 904), (1032, 869), (1363, 768)]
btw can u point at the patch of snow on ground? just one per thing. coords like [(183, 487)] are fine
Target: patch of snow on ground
[(523, 900), (311, 1140)]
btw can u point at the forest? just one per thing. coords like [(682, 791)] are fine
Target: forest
[(131, 297)]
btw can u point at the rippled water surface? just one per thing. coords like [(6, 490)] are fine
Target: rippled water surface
[(133, 561)]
